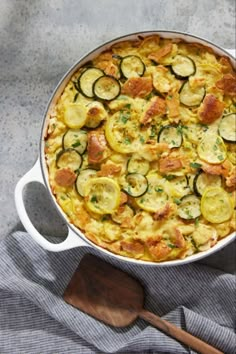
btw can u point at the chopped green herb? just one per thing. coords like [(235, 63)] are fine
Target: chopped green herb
[(180, 129), (220, 157), (77, 143), (195, 165), (187, 211), (158, 189), (148, 97), (127, 141), (170, 245), (141, 139), (169, 177), (196, 222), (62, 197), (93, 199), (153, 131), (177, 201), (124, 119)]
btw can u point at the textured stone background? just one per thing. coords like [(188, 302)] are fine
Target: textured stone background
[(40, 40)]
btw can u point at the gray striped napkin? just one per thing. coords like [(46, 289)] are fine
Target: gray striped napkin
[(35, 320)]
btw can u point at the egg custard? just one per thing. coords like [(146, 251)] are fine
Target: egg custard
[(140, 149)]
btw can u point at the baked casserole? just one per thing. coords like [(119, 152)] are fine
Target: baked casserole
[(140, 149)]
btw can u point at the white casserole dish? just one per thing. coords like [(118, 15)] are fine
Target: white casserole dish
[(39, 172)]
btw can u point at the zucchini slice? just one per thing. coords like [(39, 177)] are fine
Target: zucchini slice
[(189, 207), (216, 205), (179, 187), (82, 178), (106, 88), (227, 128), (102, 195), (170, 135), (69, 158), (76, 139), (156, 197), (136, 185), (132, 66), (87, 79), (189, 97), (212, 148), (183, 67), (204, 180), (137, 164)]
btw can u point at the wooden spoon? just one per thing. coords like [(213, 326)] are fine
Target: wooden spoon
[(116, 298)]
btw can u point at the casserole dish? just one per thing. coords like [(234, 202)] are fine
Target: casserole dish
[(40, 171)]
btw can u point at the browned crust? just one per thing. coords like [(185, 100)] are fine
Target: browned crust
[(137, 87), (210, 109), (227, 84), (162, 52), (65, 177), (157, 107), (96, 146)]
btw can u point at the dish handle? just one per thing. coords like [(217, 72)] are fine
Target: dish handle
[(72, 240)]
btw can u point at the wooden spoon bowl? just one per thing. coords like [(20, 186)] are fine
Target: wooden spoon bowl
[(116, 298)]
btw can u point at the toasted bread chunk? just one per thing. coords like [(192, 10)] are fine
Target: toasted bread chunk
[(157, 107), (222, 169), (169, 164), (162, 52), (109, 170), (135, 247), (96, 146), (210, 109), (137, 87), (227, 84), (65, 177), (173, 105)]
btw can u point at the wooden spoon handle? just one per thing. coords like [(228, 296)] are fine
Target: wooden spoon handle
[(182, 336)]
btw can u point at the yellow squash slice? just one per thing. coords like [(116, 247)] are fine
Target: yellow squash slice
[(216, 205), (120, 135), (212, 149), (75, 115), (102, 195)]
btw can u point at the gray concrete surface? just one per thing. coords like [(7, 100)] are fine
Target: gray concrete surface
[(40, 40)]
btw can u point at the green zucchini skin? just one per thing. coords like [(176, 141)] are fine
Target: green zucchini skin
[(227, 128), (126, 62), (106, 88), (135, 178), (183, 73), (185, 92), (189, 208), (86, 80), (82, 178), (72, 139), (213, 181), (171, 135), (74, 165), (136, 165)]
